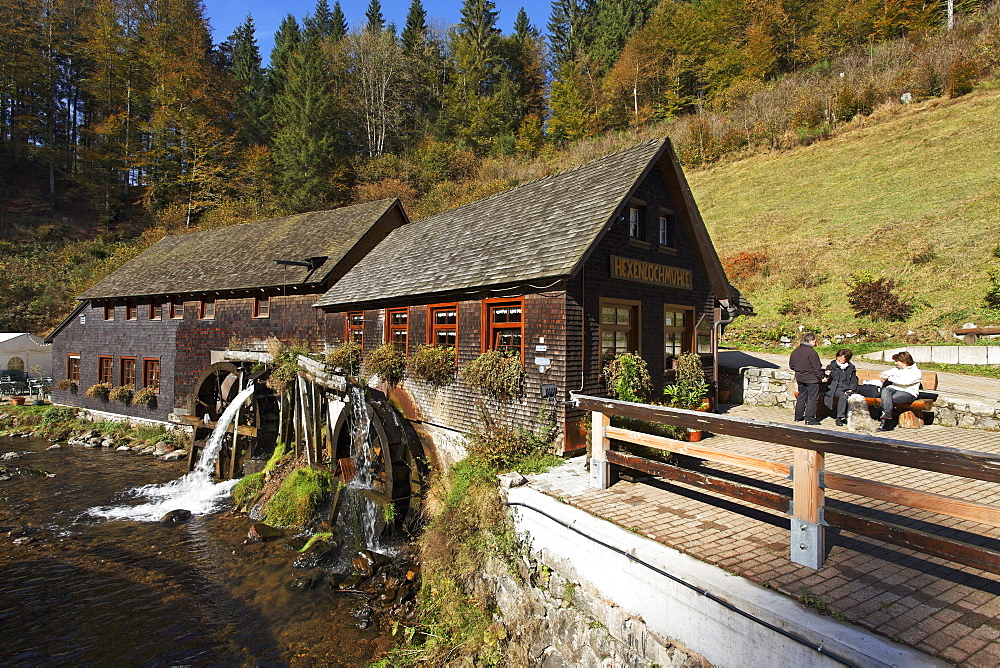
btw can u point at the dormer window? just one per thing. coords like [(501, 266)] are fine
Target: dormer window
[(207, 310)]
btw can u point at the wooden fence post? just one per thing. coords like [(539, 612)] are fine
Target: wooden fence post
[(600, 470), (808, 535)]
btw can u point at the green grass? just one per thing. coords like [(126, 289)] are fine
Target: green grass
[(920, 180)]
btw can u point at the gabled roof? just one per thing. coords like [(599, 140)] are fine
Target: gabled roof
[(540, 230), (242, 257)]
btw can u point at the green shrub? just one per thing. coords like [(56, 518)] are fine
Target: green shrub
[(627, 378), (122, 394), (992, 297), (505, 448), (299, 499), (877, 299), (285, 364), (433, 364), (100, 391), (689, 388), (497, 374), (145, 397), (345, 358), (387, 362)]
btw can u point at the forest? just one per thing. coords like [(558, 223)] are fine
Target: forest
[(121, 121)]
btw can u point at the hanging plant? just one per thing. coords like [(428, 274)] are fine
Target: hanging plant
[(497, 374), (433, 364), (386, 362), (285, 361), (122, 394), (145, 397), (345, 358), (66, 385), (100, 391)]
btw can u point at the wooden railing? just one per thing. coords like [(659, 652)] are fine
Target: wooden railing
[(807, 502)]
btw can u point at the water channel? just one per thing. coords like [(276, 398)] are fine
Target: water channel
[(77, 588)]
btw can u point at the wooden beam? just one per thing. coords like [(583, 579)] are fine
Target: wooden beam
[(759, 497), (936, 503), (806, 491), (951, 550), (953, 461), (701, 451)]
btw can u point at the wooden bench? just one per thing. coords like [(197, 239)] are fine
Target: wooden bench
[(910, 415)]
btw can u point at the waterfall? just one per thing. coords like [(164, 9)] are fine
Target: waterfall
[(359, 510), (194, 491)]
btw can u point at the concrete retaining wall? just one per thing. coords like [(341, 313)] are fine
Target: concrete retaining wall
[(942, 354), (640, 617)]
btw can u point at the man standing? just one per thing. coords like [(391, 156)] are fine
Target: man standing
[(804, 361)]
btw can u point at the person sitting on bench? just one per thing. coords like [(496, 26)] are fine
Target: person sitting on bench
[(902, 386), (842, 377)]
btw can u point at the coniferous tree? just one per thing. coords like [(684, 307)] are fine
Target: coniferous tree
[(414, 35), (248, 80), (421, 75), (525, 68), (304, 142), (569, 30), (338, 23), (614, 21), (375, 20), (321, 23)]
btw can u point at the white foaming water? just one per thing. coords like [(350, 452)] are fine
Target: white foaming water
[(195, 491), (362, 452)]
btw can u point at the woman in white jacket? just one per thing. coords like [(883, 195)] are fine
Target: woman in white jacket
[(902, 385)]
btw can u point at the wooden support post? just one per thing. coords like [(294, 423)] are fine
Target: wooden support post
[(808, 536), (600, 470), (296, 413), (234, 453)]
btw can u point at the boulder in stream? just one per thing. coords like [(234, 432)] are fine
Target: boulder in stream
[(10, 456), (176, 517), (260, 533), (162, 448), (175, 456)]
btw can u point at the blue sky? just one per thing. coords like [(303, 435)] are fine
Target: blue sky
[(225, 15)]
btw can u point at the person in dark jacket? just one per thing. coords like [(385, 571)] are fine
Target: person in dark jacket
[(842, 377), (804, 361)]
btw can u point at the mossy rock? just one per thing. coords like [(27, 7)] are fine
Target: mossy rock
[(246, 490), (299, 498)]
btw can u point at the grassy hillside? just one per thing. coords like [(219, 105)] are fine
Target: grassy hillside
[(912, 194)]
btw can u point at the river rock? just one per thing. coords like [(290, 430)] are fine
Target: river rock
[(23, 540), (512, 479), (10, 456), (260, 533), (174, 456), (321, 555), (54, 446), (123, 448), (108, 443), (175, 517), (162, 448), (301, 584), (364, 563)]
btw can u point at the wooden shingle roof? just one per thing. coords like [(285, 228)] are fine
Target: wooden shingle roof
[(542, 229), (241, 257)]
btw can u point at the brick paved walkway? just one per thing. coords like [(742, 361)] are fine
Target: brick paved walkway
[(946, 610)]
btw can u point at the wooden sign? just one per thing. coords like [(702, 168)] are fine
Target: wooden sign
[(648, 272)]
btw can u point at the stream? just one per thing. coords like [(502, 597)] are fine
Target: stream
[(79, 588)]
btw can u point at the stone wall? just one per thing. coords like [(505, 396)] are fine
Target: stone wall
[(554, 621), (776, 387)]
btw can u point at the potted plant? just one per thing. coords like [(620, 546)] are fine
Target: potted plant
[(122, 394), (17, 401), (388, 363), (689, 389), (100, 391), (496, 374), (145, 397), (432, 364)]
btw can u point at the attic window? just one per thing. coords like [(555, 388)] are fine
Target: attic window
[(109, 311), (155, 311), (207, 309), (177, 309), (635, 223), (668, 230), (131, 311), (262, 307)]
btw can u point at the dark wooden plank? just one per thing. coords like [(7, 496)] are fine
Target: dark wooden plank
[(759, 497), (953, 461), (920, 541)]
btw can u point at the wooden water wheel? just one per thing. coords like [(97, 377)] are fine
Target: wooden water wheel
[(256, 424)]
